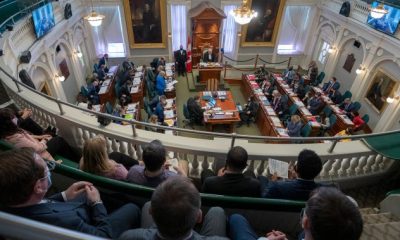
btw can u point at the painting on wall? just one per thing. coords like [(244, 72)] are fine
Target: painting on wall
[(263, 30), (349, 64), (64, 68), (382, 87), (145, 22)]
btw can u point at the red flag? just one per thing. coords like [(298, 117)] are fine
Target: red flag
[(189, 55)]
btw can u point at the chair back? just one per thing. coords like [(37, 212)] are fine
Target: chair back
[(336, 86), (332, 120), (109, 108), (327, 110), (305, 130), (347, 94), (320, 77), (84, 91), (95, 68), (357, 106), (365, 118), (307, 88), (212, 84), (293, 109)]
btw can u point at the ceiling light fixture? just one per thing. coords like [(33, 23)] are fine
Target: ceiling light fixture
[(243, 14), (94, 18), (379, 11)]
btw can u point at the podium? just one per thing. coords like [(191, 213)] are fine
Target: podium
[(209, 72)]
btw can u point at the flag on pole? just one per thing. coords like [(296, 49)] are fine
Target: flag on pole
[(189, 55)]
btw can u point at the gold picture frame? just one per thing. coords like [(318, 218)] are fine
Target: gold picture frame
[(150, 31), (265, 36), (382, 86)]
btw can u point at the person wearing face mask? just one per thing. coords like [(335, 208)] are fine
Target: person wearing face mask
[(78, 208), (195, 110), (180, 60), (44, 145), (160, 108)]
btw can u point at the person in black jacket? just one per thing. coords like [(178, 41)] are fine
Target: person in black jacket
[(180, 61), (26, 177), (231, 180), (195, 110), (249, 111)]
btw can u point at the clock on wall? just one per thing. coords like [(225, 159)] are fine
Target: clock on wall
[(67, 11)]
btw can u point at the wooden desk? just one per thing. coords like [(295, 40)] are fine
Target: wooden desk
[(137, 92), (267, 120), (107, 93), (206, 73), (132, 111), (227, 115)]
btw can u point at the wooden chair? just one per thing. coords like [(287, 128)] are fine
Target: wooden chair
[(212, 84)]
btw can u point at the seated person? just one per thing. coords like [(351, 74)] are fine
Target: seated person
[(307, 98), (209, 56), (315, 104), (27, 123), (249, 111), (104, 61), (26, 178), (154, 120), (267, 89), (93, 92), (44, 145), (126, 87), (332, 84), (358, 122), (101, 73), (328, 215), (347, 106), (343, 133), (153, 103), (195, 110), (325, 123), (294, 126), (335, 96), (160, 83), (308, 166), (95, 160), (279, 103), (230, 179), (173, 212), (289, 75), (160, 108), (153, 172)]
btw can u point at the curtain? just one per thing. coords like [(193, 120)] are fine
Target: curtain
[(178, 26), (110, 31), (229, 31)]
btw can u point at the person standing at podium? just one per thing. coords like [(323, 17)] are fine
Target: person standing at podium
[(209, 56)]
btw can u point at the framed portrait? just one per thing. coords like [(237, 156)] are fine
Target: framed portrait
[(382, 87), (263, 29), (64, 68), (146, 23)]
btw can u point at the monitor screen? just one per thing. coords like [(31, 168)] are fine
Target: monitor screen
[(43, 19), (388, 23)]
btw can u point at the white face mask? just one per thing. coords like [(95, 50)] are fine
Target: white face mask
[(15, 121)]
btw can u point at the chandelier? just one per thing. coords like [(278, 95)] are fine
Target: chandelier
[(243, 14), (378, 11), (94, 18)]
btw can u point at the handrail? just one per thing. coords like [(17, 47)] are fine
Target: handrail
[(213, 134)]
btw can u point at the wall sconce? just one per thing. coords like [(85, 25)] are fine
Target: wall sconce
[(60, 78), (332, 49), (78, 54), (360, 70), (169, 35), (239, 33), (391, 99)]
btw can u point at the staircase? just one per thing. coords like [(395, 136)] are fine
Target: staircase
[(379, 225)]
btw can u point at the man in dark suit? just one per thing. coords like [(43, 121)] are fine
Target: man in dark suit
[(335, 96), (249, 111), (195, 110), (280, 103), (209, 56), (332, 84), (347, 106), (175, 209), (101, 72), (231, 180), (180, 60), (104, 61), (308, 166), (315, 104), (26, 177)]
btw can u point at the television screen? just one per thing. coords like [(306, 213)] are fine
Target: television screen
[(388, 23), (43, 19)]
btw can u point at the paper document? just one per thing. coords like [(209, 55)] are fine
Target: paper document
[(279, 167), (103, 90)]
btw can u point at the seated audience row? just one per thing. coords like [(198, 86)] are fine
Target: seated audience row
[(173, 212)]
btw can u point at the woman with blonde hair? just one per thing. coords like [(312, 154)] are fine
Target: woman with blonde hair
[(96, 160)]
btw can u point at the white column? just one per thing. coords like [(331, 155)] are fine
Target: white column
[(333, 58), (56, 84), (76, 68)]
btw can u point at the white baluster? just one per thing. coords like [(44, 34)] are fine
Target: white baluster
[(123, 147), (260, 169), (132, 152), (353, 164), (205, 164), (335, 168), (114, 145), (326, 168), (345, 164), (361, 163), (195, 167), (370, 161), (378, 161)]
